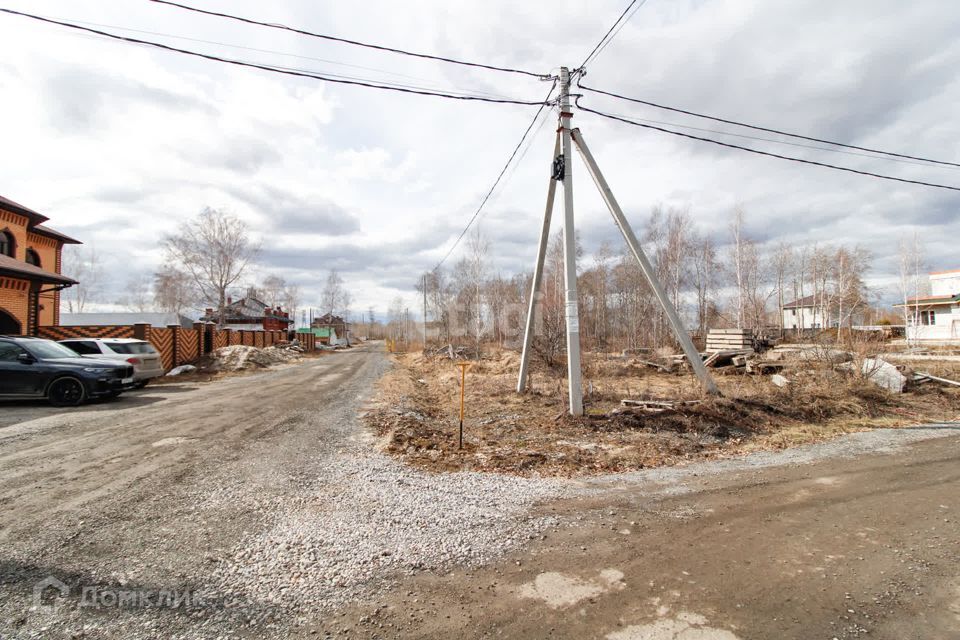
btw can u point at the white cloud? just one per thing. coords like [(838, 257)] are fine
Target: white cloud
[(118, 143)]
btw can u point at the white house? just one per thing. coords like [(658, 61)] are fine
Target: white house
[(802, 314), (936, 316)]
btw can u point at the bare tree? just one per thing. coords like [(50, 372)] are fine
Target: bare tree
[(334, 297), (173, 290), (83, 265), (272, 291), (214, 249), (136, 294), (782, 263), (478, 246), (705, 271), (911, 263), (739, 260)]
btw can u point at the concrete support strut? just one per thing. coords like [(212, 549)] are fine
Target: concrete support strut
[(706, 380), (536, 286)]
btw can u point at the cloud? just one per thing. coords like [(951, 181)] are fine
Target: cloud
[(119, 144), (287, 212), (81, 100)]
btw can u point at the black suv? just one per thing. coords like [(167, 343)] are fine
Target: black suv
[(38, 368)]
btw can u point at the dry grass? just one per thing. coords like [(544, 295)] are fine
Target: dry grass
[(416, 415)]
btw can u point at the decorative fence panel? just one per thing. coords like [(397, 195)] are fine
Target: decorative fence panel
[(187, 345), (62, 333), (162, 340)]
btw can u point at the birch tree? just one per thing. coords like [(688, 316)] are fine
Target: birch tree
[(83, 265), (215, 249)]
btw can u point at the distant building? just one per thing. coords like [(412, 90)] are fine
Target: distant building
[(339, 329), (250, 313), (159, 320), (936, 316), (323, 335), (30, 278), (803, 314)]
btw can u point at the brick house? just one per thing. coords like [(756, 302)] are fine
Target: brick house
[(250, 314), (30, 279)]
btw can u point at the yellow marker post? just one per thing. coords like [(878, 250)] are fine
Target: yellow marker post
[(463, 379)]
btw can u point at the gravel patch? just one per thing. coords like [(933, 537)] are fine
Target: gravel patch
[(372, 520)]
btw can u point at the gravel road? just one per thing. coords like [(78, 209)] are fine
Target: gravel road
[(260, 497)]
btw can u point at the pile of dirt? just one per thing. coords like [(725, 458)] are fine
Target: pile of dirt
[(237, 357)]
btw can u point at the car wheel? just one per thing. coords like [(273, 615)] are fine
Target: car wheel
[(66, 392)]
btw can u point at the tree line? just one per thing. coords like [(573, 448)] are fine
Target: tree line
[(715, 281)]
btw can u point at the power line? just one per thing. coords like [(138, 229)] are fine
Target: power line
[(615, 33), (610, 35), (785, 142), (357, 43), (765, 129), (385, 83), (764, 153), (255, 49), (513, 154), (273, 69)]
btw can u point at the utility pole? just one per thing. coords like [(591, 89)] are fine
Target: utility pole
[(570, 253), (562, 171)]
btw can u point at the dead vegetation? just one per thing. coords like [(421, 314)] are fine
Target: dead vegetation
[(669, 422)]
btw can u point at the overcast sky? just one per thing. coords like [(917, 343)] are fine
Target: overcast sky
[(118, 143)]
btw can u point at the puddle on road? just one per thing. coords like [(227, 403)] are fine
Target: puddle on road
[(558, 590), (169, 442), (685, 626)]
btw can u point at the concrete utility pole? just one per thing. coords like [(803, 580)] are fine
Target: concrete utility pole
[(570, 254), (562, 170), (538, 276)]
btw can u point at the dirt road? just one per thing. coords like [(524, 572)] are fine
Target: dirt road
[(264, 507), (836, 549), (150, 490)]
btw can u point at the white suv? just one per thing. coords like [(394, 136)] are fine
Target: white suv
[(140, 353)]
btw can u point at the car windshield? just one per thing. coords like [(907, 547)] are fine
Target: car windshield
[(131, 347), (49, 350)]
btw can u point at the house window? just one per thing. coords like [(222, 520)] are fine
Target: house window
[(793, 312), (33, 257), (7, 244), (927, 317)]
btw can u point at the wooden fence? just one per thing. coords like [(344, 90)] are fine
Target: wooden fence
[(178, 345)]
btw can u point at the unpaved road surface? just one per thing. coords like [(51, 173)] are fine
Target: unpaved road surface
[(258, 507), (864, 547)]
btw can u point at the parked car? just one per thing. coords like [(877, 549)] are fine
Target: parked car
[(145, 359), (38, 368)]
